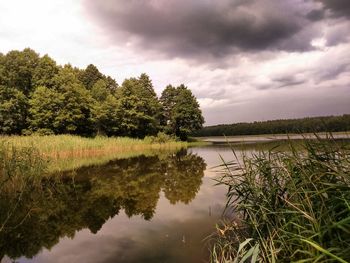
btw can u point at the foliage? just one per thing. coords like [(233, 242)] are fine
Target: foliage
[(19, 165), (38, 96), (105, 117), (18, 69), (90, 76), (44, 72), (182, 114), (20, 175), (294, 204), (160, 138), (227, 250), (138, 107), (13, 110), (44, 104), (74, 117), (304, 125)]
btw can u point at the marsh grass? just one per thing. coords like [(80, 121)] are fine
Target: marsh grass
[(19, 165), (290, 206), (20, 177), (67, 152), (62, 146)]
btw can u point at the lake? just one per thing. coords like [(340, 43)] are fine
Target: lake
[(142, 209), (157, 208)]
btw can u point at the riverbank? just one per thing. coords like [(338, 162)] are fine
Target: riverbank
[(67, 152)]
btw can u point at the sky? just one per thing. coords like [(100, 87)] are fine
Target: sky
[(244, 60)]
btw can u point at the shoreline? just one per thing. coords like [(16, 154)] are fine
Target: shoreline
[(274, 137)]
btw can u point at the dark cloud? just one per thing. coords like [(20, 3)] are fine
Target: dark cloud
[(279, 82), (288, 81), (231, 51), (206, 28), (337, 7), (331, 73), (316, 14)]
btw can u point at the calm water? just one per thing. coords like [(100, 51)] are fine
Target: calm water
[(141, 209)]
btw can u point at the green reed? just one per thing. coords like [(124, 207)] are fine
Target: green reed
[(61, 146), (68, 152), (20, 177), (290, 206), (19, 164)]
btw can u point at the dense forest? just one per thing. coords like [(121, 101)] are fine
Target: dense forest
[(315, 124), (39, 96)]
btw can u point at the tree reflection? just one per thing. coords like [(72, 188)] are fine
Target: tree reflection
[(58, 208), (183, 177)]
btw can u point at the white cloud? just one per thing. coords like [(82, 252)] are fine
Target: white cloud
[(209, 103)]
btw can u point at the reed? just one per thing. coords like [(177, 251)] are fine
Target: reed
[(21, 173), (19, 166), (67, 152), (290, 206), (58, 146)]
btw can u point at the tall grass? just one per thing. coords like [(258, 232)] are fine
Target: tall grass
[(67, 152), (60, 146), (20, 176), (290, 206), (18, 166)]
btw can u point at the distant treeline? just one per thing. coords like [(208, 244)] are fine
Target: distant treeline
[(39, 96), (315, 124)]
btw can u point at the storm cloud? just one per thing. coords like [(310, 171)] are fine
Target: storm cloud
[(206, 28), (238, 54), (337, 7), (244, 60)]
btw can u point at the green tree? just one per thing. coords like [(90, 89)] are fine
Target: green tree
[(100, 90), (74, 116), (44, 72), (67, 75), (70, 100), (45, 105), (152, 107), (112, 85), (90, 76), (13, 110), (18, 69), (2, 69), (138, 107), (182, 114), (104, 109)]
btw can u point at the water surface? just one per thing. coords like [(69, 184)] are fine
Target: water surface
[(158, 208), (142, 209)]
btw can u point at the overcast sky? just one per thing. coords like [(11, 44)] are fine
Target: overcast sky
[(244, 60)]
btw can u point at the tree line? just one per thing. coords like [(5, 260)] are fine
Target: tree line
[(39, 96), (304, 125)]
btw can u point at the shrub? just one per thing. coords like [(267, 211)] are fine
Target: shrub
[(160, 138)]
